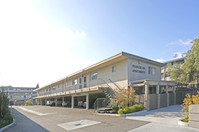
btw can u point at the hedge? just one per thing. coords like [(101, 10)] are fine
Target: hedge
[(134, 108)]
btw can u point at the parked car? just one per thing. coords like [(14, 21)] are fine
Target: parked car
[(50, 103), (64, 104)]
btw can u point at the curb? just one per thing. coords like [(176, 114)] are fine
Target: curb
[(8, 126), (183, 123), (124, 115)]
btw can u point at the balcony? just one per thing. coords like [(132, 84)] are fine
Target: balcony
[(74, 88)]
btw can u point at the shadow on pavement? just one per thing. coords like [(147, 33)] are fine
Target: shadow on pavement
[(24, 124), (171, 111)]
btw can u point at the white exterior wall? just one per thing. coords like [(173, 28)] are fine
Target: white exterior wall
[(120, 77), (134, 76), (123, 75)]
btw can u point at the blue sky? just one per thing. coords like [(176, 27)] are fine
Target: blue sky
[(147, 28), (51, 39)]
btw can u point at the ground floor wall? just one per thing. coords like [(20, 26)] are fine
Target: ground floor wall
[(155, 101)]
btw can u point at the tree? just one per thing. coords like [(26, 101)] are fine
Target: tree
[(124, 97), (176, 73), (3, 105), (5, 116), (189, 71)]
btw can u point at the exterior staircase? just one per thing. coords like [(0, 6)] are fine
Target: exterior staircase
[(104, 103)]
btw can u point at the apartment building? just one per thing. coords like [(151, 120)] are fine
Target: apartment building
[(97, 83), (176, 61), (18, 95)]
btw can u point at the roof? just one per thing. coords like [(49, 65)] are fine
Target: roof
[(18, 87), (110, 60), (142, 59), (177, 59)]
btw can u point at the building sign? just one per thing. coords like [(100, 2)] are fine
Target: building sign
[(138, 69)]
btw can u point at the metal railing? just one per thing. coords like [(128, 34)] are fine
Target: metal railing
[(97, 82)]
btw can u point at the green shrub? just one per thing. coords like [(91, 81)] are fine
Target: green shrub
[(185, 119), (131, 109), (28, 102), (137, 107), (6, 120), (120, 111), (5, 116)]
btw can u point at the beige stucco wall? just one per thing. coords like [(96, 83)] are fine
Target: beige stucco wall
[(133, 76), (120, 78)]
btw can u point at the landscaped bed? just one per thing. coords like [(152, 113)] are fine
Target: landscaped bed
[(5, 116), (123, 111), (6, 120), (131, 109)]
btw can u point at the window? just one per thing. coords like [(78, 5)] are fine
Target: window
[(93, 76), (54, 88), (74, 82), (151, 70), (113, 68)]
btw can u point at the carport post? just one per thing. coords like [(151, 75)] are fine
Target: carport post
[(40, 102), (174, 94), (63, 101), (72, 101), (146, 101), (158, 94), (167, 87), (87, 101), (45, 101), (55, 101)]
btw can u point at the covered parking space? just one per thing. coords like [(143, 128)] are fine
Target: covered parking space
[(81, 98)]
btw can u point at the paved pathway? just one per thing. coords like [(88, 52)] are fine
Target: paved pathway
[(162, 120), (24, 124), (161, 127)]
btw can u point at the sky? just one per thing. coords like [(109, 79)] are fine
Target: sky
[(43, 41)]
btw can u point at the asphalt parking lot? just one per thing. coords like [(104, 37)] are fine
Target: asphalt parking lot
[(59, 119)]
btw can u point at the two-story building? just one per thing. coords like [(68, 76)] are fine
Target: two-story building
[(176, 61), (18, 95), (88, 86)]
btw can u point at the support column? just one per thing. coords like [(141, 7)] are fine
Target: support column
[(174, 94), (40, 101), (167, 87), (161, 90), (45, 101), (55, 101), (87, 101), (146, 101), (62, 101), (158, 95), (72, 101)]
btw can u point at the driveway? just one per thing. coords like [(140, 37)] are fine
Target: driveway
[(162, 120), (59, 119)]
